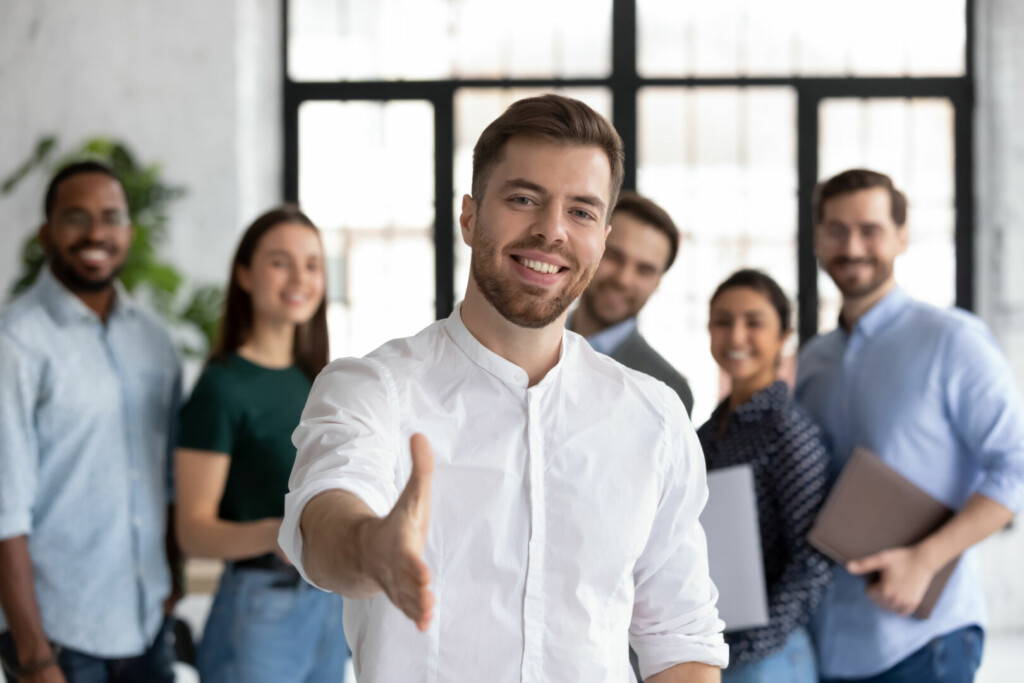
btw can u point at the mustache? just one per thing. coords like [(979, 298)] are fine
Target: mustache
[(848, 261), (91, 244), (538, 243)]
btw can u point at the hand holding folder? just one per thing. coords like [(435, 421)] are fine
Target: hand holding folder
[(872, 508)]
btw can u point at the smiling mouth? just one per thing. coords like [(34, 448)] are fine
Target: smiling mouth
[(539, 266)]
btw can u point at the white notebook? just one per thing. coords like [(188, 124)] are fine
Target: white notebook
[(734, 547)]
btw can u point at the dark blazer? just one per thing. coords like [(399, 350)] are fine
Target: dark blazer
[(637, 354)]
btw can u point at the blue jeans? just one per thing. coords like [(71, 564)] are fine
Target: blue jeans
[(155, 665), (269, 625), (794, 663), (952, 658)]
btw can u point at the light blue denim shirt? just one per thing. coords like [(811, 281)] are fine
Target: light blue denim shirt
[(609, 339), (86, 421), (928, 391)]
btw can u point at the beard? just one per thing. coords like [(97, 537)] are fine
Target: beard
[(76, 281), (589, 301), (519, 303), (880, 274)]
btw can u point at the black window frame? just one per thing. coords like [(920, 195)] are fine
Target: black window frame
[(624, 83)]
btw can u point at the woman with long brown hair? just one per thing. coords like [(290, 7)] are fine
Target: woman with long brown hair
[(235, 455)]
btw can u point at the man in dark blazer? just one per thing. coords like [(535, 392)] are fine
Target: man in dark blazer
[(640, 248)]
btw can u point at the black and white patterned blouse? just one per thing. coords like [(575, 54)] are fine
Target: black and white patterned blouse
[(783, 446)]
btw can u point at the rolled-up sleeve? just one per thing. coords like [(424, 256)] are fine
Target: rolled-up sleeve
[(985, 406), (19, 448), (347, 440), (675, 618)]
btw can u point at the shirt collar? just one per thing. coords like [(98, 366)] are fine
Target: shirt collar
[(488, 360), (762, 402), (66, 308), (882, 313), (610, 338)]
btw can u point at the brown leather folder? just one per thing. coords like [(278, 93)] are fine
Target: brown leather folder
[(871, 508)]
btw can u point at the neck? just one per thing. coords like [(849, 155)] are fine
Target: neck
[(535, 350), (855, 307), (99, 302), (583, 322), (744, 390), (271, 344)]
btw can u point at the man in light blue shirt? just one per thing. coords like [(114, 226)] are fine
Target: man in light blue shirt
[(87, 401), (929, 392)]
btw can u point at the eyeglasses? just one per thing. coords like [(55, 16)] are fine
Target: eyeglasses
[(78, 220)]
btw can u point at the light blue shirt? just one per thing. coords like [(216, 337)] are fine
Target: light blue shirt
[(610, 338), (86, 415), (928, 391)]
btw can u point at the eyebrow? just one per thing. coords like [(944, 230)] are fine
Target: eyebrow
[(524, 184)]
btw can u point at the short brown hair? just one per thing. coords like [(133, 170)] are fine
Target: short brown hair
[(649, 213), (551, 117), (854, 180)]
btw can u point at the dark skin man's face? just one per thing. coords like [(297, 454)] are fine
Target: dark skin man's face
[(88, 232)]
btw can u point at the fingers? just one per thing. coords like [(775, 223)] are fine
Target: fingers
[(410, 592), (417, 489), (871, 563)]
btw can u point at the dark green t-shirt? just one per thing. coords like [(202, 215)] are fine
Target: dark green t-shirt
[(249, 412)]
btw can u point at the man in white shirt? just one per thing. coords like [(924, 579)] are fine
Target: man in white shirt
[(552, 517)]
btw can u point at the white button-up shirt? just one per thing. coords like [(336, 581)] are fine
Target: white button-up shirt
[(564, 519)]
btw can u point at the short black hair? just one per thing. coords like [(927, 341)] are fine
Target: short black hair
[(763, 283), (69, 171), (649, 213)]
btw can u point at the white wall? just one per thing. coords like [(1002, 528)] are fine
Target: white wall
[(191, 85)]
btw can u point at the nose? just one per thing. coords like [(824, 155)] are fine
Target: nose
[(737, 333), (551, 224), (853, 246)]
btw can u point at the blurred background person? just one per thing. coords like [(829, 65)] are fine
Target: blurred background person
[(930, 393), (235, 455), (88, 397), (758, 424), (640, 249)]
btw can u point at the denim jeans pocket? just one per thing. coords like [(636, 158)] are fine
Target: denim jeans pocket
[(267, 597)]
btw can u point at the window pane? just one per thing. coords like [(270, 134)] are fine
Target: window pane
[(801, 37), (722, 162), (366, 178), (475, 108), (442, 39), (911, 140)]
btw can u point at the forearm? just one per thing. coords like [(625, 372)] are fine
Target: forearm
[(220, 539), (334, 527), (688, 672), (977, 520), (18, 600)]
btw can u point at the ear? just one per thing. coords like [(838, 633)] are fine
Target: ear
[(244, 276), (903, 235), (467, 219)]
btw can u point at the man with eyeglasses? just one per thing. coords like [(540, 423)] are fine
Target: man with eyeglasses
[(87, 400), (928, 390)]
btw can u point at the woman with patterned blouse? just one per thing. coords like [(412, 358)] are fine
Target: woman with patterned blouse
[(759, 425)]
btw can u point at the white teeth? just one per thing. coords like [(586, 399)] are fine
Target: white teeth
[(539, 266), (93, 254), (737, 355)]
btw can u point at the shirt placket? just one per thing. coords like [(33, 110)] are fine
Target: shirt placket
[(133, 481), (533, 607)]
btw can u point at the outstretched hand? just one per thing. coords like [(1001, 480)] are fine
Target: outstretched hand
[(394, 546)]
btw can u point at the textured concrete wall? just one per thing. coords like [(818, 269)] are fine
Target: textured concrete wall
[(1000, 239), (192, 85)]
